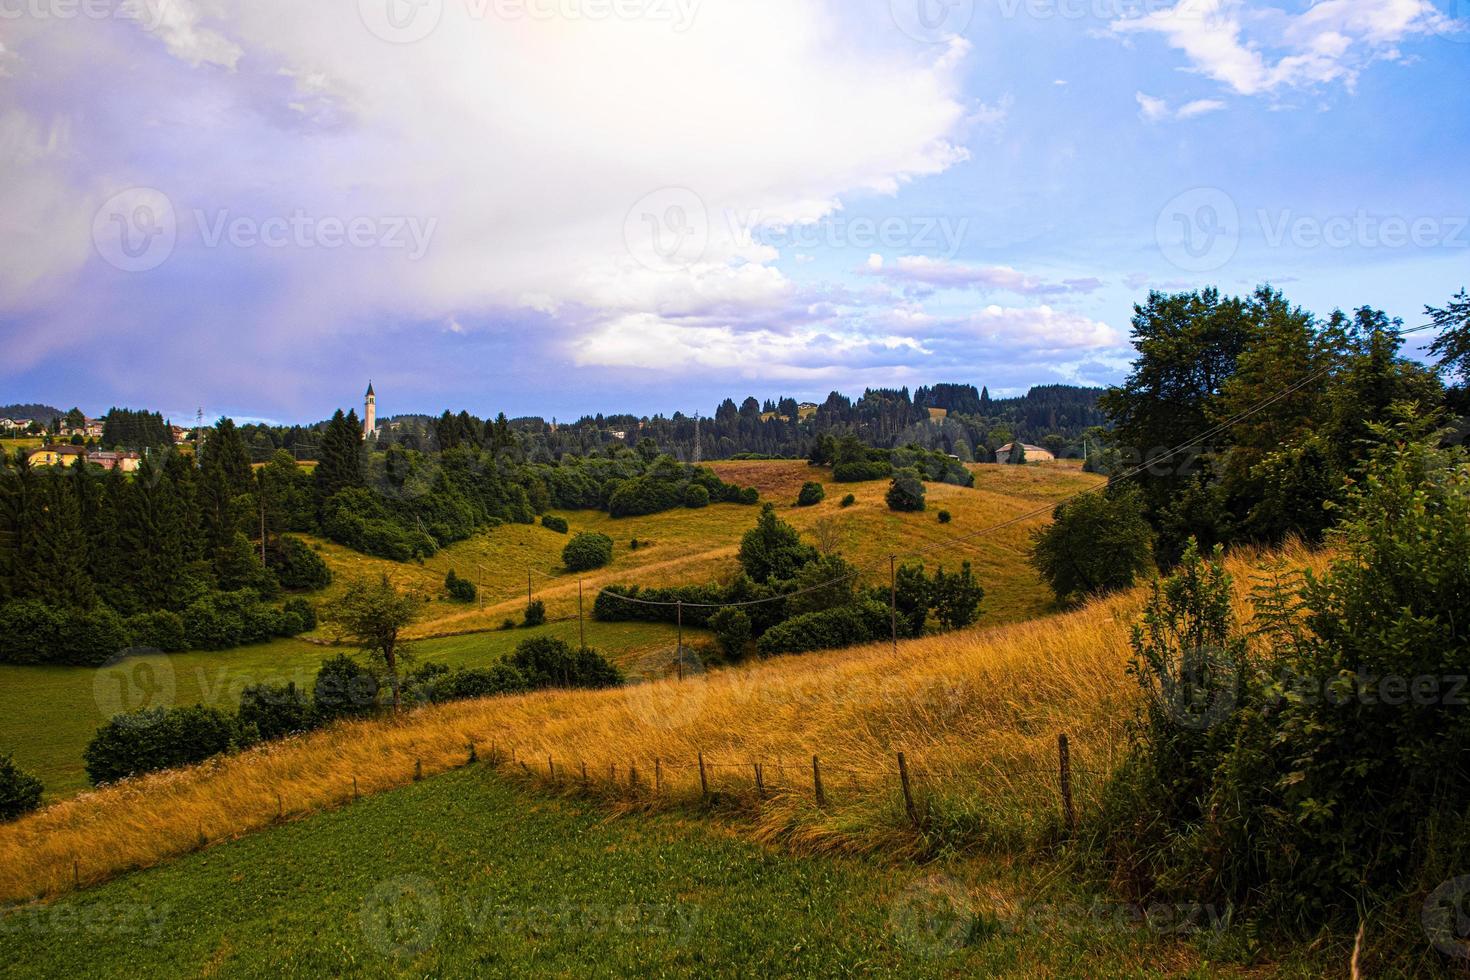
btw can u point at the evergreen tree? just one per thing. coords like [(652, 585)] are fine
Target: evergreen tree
[(341, 464)]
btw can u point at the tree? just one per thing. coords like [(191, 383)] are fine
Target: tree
[(1096, 543), (773, 549), (732, 627), (340, 466), (1452, 346), (225, 451), (811, 494), (956, 597), (906, 492), (373, 615), (1017, 456)]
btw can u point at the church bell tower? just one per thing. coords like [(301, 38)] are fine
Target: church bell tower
[(370, 413)]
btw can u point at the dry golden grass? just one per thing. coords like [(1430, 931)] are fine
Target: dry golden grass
[(977, 714)]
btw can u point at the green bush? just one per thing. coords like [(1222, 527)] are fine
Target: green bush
[(586, 551), (733, 630), (276, 710), (20, 792), (945, 517), (438, 684), (750, 496), (553, 523), (535, 614), (162, 630), (297, 567), (545, 662), (906, 492), (305, 613), (849, 500), (861, 471), (696, 497), (773, 549), (32, 632), (344, 689), (843, 626), (151, 739), (91, 637), (460, 589), (811, 495)]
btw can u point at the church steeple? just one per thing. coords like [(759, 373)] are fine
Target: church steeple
[(369, 413)]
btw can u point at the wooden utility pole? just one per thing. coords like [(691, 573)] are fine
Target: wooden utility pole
[(680, 610), (529, 597), (581, 623)]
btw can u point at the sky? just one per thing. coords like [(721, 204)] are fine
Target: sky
[(564, 207)]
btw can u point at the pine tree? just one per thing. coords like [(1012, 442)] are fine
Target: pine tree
[(225, 451), (61, 557), (340, 466)]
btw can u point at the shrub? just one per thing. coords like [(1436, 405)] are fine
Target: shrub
[(849, 500), (304, 611), (587, 551), (507, 624), (733, 630), (553, 523), (696, 497), (844, 626), (439, 684), (945, 517), (30, 632), (861, 471), (460, 589), (750, 496), (1096, 543), (634, 545), (297, 567), (811, 495), (276, 710), (344, 689), (545, 662), (90, 637), (535, 613), (162, 630), (162, 738), (906, 492), (20, 792)]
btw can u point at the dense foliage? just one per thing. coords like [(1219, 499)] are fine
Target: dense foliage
[(587, 551), (1096, 543), (20, 792), (150, 739)]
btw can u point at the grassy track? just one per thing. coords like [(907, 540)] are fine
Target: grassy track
[(463, 876), (49, 714)]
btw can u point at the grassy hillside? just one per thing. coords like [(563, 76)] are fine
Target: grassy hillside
[(460, 876), (683, 546), (49, 714), (977, 714)]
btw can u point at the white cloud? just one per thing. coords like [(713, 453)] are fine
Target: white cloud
[(528, 140), (1260, 50), (1154, 109), (943, 274)]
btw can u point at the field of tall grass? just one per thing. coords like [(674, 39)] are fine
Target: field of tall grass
[(977, 714)]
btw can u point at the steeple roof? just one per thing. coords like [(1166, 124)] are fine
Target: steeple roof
[(370, 390)]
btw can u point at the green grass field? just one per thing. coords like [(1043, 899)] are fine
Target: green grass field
[(464, 875), (49, 714)]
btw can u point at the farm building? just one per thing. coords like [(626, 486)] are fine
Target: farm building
[(1034, 454)]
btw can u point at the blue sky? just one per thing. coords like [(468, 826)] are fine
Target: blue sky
[(560, 207)]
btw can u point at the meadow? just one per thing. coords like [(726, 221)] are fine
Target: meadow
[(462, 875)]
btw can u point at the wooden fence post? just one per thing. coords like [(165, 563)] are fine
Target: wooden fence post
[(474, 756), (355, 794), (584, 776), (703, 780), (760, 782), (418, 769), (76, 873), (633, 778), (817, 781), (280, 807), (908, 795), (1064, 759), (550, 769), (658, 775)]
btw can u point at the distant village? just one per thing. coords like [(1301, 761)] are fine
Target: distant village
[(73, 436)]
